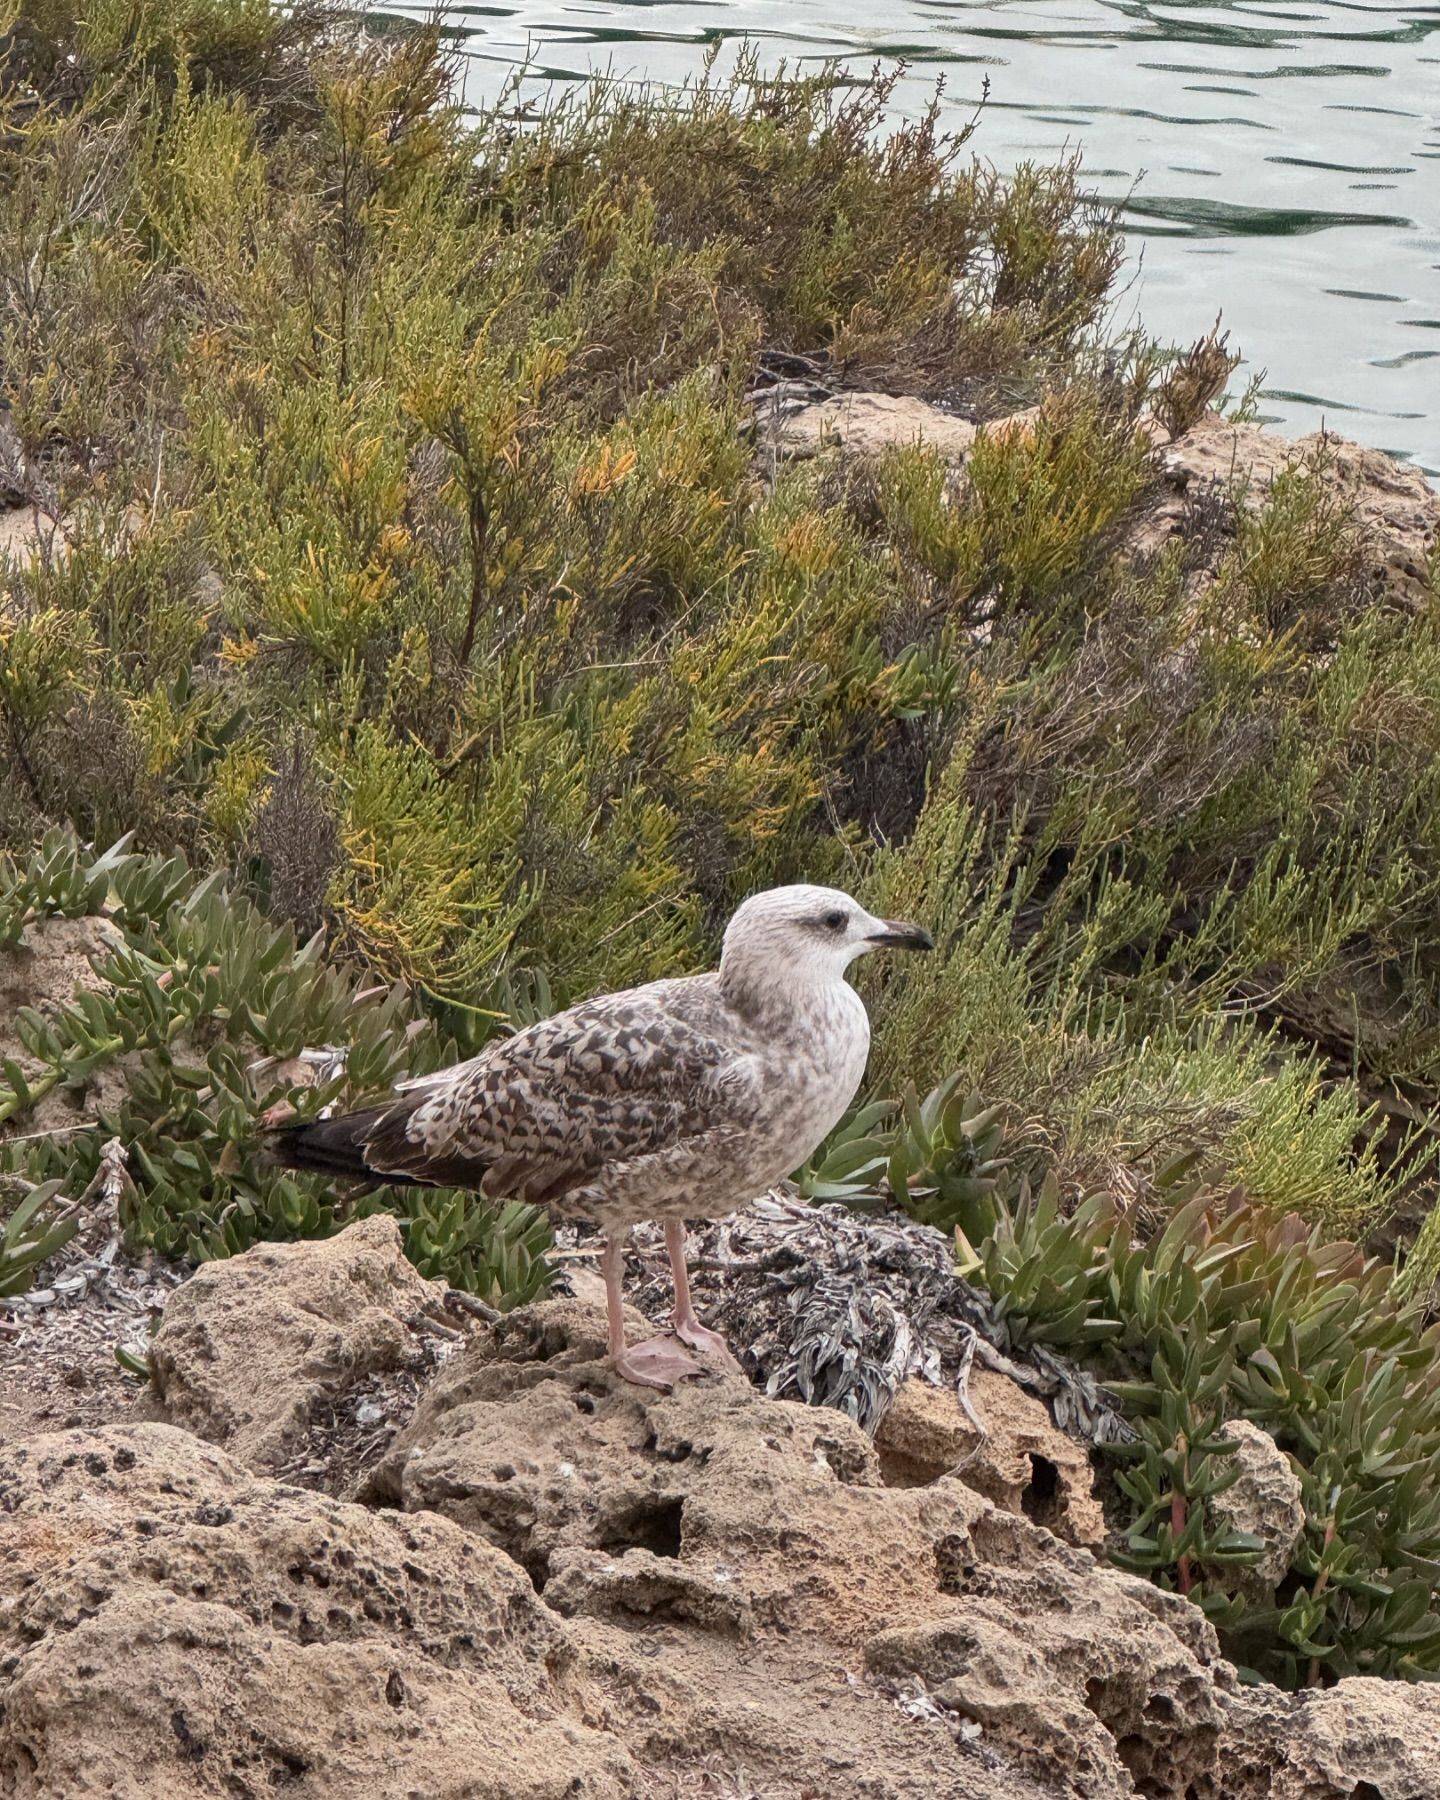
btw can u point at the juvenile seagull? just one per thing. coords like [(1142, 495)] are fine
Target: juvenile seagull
[(680, 1099)]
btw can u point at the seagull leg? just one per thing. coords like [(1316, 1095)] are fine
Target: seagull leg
[(657, 1363), (688, 1328)]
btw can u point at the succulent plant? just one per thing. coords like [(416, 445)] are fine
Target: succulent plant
[(498, 1253), (937, 1157), (1232, 1311), (199, 1019), (1043, 1267), (31, 1236), (1197, 1309)]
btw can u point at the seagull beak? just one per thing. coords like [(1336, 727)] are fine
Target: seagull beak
[(900, 934)]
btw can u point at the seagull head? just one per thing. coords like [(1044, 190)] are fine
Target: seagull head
[(806, 936)]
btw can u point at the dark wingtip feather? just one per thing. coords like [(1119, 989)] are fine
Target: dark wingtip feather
[(370, 1146), (325, 1146)]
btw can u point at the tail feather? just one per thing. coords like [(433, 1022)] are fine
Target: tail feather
[(333, 1147)]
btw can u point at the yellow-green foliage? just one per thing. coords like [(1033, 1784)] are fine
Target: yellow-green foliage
[(1029, 1003), (407, 555)]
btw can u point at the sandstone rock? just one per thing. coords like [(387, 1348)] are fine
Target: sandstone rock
[(1019, 426), (540, 1455), (1023, 1463), (1360, 1740), (173, 1626), (627, 1594), (25, 532), (738, 1531), (250, 1347), (645, 1585), (1396, 512), (780, 1530), (29, 534), (1072, 1665), (866, 424), (1266, 1500)]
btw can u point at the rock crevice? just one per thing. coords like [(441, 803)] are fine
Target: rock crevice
[(552, 1584)]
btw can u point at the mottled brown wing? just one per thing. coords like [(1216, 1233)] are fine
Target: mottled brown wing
[(545, 1112)]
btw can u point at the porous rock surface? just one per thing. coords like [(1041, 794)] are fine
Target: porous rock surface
[(864, 424), (1364, 1740), (1021, 1461), (562, 1585), (173, 1625), (1394, 511), (1265, 1499), (249, 1348)]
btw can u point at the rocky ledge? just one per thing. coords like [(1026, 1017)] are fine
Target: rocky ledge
[(497, 1572), (1394, 511)]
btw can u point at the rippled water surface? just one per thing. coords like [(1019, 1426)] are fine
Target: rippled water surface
[(1278, 162)]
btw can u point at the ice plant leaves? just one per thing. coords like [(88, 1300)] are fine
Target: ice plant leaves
[(1198, 1309), (204, 1015)]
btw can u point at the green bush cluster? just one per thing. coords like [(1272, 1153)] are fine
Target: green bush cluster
[(425, 442), (1225, 1311), (188, 1030)]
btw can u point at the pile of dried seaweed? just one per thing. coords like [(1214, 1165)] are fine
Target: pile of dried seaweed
[(837, 1308)]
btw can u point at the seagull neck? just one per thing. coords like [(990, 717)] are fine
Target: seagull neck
[(775, 998)]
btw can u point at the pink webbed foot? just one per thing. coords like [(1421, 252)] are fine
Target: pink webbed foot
[(709, 1343), (688, 1328), (657, 1363)]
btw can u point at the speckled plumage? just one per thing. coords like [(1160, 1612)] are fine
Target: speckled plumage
[(679, 1100), (665, 1101)]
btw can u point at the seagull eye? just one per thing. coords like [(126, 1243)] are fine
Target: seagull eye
[(833, 921)]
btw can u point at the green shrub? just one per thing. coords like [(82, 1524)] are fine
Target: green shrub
[(193, 1028), (346, 412), (1232, 1312)]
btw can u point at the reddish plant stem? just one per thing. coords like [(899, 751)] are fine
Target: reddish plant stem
[(1177, 1527), (1179, 1512), (1322, 1581)]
